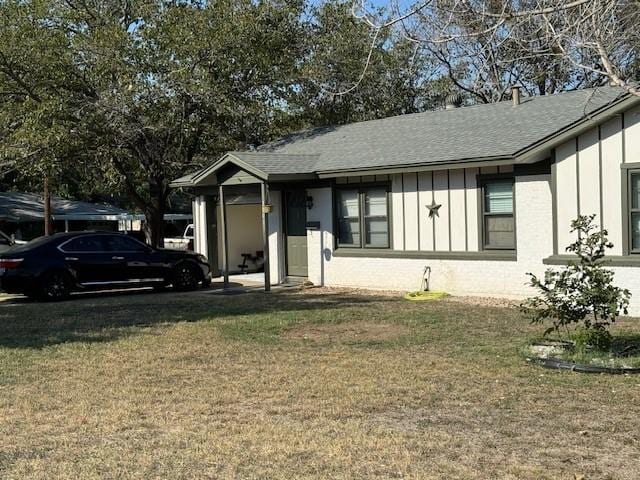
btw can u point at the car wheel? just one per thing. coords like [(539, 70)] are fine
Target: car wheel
[(185, 277), (54, 286)]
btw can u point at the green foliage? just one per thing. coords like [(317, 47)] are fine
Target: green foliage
[(587, 339), (395, 81), (131, 95), (123, 97), (583, 292)]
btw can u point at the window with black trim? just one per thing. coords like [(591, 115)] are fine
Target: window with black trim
[(362, 216), (498, 221), (634, 211)]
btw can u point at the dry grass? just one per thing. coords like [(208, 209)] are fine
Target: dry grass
[(209, 386)]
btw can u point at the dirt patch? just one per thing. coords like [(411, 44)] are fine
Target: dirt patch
[(368, 292), (348, 332), (485, 301), (468, 300)]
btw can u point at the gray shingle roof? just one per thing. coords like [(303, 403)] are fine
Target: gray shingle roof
[(20, 206), (280, 163), (479, 131), (493, 131)]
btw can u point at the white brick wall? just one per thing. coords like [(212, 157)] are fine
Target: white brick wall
[(629, 277), (319, 242), (459, 277), (469, 277)]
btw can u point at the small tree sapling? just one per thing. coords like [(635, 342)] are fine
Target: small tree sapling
[(582, 293)]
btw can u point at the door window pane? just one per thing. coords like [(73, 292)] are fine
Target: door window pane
[(635, 231), (498, 197)]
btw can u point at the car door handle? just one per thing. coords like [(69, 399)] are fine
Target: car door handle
[(117, 258), (71, 259)]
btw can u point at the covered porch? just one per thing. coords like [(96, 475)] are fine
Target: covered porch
[(250, 217)]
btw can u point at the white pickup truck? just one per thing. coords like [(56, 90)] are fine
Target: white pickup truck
[(185, 242)]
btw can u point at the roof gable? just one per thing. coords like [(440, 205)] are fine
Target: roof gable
[(263, 166)]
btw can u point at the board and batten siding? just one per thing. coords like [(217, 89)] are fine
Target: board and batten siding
[(588, 180), (455, 228)]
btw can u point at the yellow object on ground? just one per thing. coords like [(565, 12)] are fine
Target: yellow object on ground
[(419, 295)]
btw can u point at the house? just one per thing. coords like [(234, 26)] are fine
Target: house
[(22, 215), (481, 194)]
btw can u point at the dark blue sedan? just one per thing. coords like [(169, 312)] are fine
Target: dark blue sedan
[(51, 268)]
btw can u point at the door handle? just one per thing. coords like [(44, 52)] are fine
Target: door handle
[(117, 258), (70, 259)]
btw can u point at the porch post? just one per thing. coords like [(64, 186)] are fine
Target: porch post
[(225, 237), (265, 237)]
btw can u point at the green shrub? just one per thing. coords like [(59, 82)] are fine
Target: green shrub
[(582, 293), (587, 339)]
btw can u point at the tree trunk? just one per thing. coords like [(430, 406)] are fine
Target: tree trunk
[(48, 230), (154, 227), (154, 212)]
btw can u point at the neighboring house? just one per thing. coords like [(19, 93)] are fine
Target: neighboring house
[(481, 194), (22, 215)]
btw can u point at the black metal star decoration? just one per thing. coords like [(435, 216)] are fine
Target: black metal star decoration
[(433, 209)]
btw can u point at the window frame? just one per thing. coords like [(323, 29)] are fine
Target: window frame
[(628, 171), (361, 189), (482, 181)]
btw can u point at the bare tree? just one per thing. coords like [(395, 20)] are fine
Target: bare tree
[(485, 46)]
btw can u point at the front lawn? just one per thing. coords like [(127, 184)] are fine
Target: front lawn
[(314, 384)]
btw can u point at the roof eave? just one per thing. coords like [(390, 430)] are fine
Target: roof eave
[(420, 167), (229, 157), (181, 184), (534, 153)]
